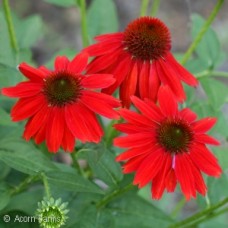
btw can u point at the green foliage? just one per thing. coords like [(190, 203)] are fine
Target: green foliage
[(101, 18), (65, 3)]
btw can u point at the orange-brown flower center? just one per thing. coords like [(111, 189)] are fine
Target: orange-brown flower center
[(175, 135), (62, 88), (147, 38)]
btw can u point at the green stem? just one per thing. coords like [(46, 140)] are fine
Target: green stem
[(210, 216), (144, 6), (24, 184), (208, 73), (155, 7), (178, 207), (9, 22), (46, 185), (201, 33), (75, 164), (83, 22), (113, 195), (200, 214)]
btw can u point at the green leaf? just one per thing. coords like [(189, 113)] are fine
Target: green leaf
[(209, 49), (72, 182), (216, 92), (63, 3), (23, 156), (102, 17), (103, 164), (28, 31), (133, 211), (4, 195), (5, 118)]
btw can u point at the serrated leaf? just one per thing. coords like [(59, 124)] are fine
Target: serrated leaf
[(63, 3), (101, 17), (72, 182), (103, 164), (209, 49), (23, 156), (216, 92)]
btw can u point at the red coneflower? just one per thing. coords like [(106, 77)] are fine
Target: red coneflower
[(167, 146), (60, 104), (140, 60)]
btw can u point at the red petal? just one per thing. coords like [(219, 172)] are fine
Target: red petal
[(128, 87), (68, 141), (120, 72), (40, 136), (183, 74), (31, 73), (79, 63), (110, 36), (23, 89), (167, 102), (183, 171), (158, 184), (133, 164), (136, 118), (149, 168), (135, 140), (133, 152), (27, 107), (154, 83), (96, 81), (152, 112), (202, 138), (35, 122), (205, 160), (144, 81), (55, 129), (171, 181), (204, 125), (45, 70), (101, 103), (188, 115), (61, 63), (170, 78)]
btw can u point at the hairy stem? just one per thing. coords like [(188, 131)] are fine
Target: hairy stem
[(208, 73), (201, 33), (46, 185)]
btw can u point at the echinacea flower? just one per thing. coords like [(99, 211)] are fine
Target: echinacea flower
[(167, 146), (61, 104), (140, 60)]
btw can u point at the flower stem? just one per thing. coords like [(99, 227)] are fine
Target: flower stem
[(200, 215), (155, 7), (24, 184), (113, 195), (75, 164), (83, 22), (46, 185), (10, 26), (201, 33), (144, 6), (178, 207), (208, 73)]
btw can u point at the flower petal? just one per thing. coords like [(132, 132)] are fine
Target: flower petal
[(206, 139), (188, 115), (79, 63), (204, 125), (96, 81), (61, 63)]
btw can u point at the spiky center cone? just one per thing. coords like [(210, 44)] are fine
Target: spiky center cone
[(62, 88), (147, 38), (175, 136)]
